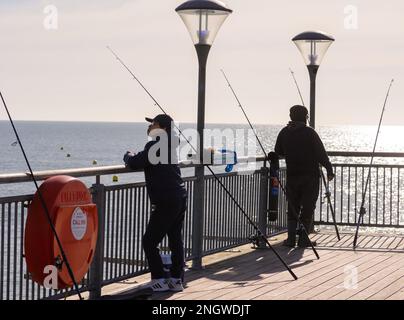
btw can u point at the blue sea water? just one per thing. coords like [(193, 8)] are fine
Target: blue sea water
[(48, 143)]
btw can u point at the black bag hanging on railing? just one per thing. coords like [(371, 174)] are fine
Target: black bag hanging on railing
[(273, 186)]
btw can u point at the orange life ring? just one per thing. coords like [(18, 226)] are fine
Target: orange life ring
[(75, 219)]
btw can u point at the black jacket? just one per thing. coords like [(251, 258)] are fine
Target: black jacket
[(303, 150), (163, 181)]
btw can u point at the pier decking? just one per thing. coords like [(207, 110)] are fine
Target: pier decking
[(245, 273)]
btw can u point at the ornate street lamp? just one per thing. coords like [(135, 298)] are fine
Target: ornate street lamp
[(313, 45), (203, 19)]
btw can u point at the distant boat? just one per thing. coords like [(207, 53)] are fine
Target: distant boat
[(14, 143)]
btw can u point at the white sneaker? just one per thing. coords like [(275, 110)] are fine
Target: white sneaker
[(157, 285), (175, 284)]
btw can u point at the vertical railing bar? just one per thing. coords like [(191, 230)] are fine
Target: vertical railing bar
[(205, 227), (122, 222), (21, 249), (228, 212), (111, 233), (131, 232), (213, 213), (342, 190), (356, 193), (335, 194), (223, 215), (146, 216), (139, 213), (134, 215), (189, 211), (126, 240), (115, 230), (377, 194), (398, 197), (391, 194), (370, 195), (232, 216), (237, 215), (2, 252), (108, 236), (384, 194), (349, 195), (217, 217), (8, 250), (15, 250)]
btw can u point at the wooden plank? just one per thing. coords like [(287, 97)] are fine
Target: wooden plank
[(387, 243), (364, 271), (371, 243), (258, 274), (335, 283), (379, 243), (383, 279), (373, 279), (400, 246), (399, 295), (389, 290), (345, 240), (395, 243), (331, 279), (260, 270), (286, 292)]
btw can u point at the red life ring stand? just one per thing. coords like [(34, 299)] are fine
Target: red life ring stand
[(75, 219)]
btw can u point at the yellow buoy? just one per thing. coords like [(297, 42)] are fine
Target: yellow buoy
[(115, 179), (94, 162)]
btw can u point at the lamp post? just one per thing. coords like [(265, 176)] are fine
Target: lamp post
[(313, 45), (203, 19)]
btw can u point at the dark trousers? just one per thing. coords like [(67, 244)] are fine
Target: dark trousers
[(167, 218), (302, 192)]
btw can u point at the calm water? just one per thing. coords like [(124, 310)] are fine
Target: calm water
[(48, 143)]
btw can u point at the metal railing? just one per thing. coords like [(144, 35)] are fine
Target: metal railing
[(123, 211), (123, 215), (384, 198)]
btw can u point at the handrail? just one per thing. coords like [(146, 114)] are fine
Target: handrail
[(365, 154), (94, 171), (119, 169)]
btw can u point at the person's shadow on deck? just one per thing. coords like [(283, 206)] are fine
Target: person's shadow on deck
[(258, 264)]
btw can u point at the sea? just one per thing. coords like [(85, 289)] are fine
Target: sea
[(65, 145)]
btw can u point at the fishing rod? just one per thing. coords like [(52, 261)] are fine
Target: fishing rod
[(46, 211), (326, 183), (362, 210), (256, 228), (267, 159)]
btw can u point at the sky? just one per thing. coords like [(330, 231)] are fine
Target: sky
[(67, 74)]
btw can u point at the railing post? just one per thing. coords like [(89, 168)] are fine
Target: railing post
[(97, 266), (198, 217), (263, 204)]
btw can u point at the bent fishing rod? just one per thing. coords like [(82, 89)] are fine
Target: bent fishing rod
[(326, 183), (362, 210), (256, 228), (46, 211), (294, 212)]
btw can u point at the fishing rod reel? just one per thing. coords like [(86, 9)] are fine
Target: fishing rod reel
[(255, 240), (212, 156)]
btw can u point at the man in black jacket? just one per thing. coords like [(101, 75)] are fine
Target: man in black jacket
[(304, 152), (168, 197)]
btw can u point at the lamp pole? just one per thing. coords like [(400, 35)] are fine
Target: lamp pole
[(313, 75), (203, 19), (199, 191)]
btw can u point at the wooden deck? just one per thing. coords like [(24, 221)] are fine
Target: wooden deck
[(374, 271)]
